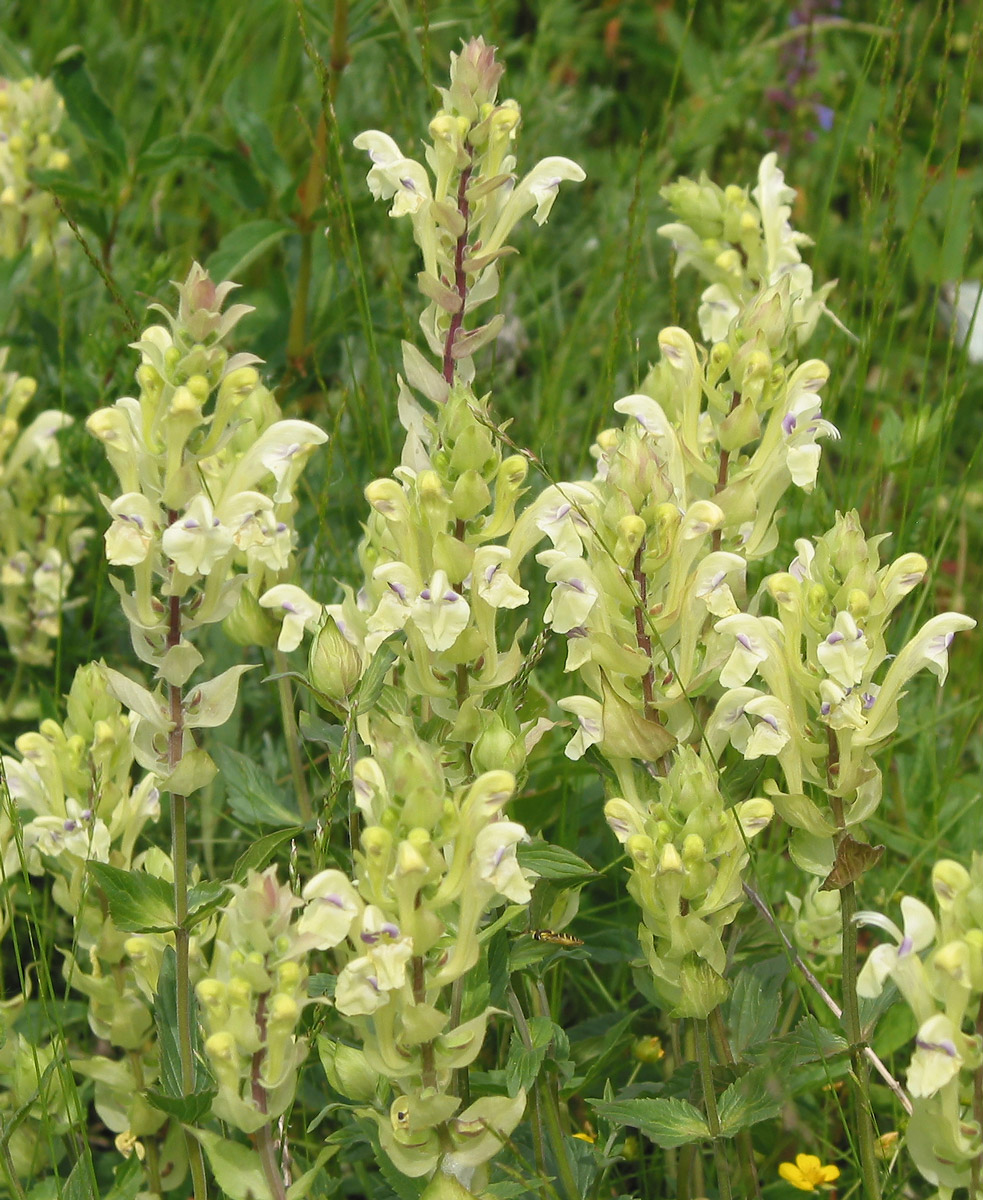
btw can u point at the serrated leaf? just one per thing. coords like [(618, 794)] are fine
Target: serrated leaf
[(814, 1042), (524, 1062), (252, 794), (374, 678), (243, 246), (668, 1123), (753, 1010), (138, 902), (746, 1102), (204, 898), (261, 852), (553, 862), (86, 108), (237, 1168), (169, 1097)]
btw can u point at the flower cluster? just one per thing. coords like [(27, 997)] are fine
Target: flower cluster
[(73, 803), (434, 859), (831, 689), (40, 534), (936, 963), (254, 991), (30, 113), (206, 470)]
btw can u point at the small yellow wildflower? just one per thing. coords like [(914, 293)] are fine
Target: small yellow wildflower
[(807, 1173)]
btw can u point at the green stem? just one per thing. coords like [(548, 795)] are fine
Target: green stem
[(7, 1163), (182, 937), (292, 735), (701, 1031), (548, 1093), (854, 1033), (745, 1146), (536, 1124), (851, 1001)]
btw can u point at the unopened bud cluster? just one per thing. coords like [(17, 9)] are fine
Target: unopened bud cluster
[(30, 113), (936, 963), (687, 852)]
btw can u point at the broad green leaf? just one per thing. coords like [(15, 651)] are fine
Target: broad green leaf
[(237, 1168), (553, 862), (241, 247), (252, 794), (86, 108), (301, 1187), (747, 1101), (138, 902), (261, 852), (668, 1123), (65, 183)]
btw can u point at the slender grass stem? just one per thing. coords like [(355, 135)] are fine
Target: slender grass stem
[(292, 736)]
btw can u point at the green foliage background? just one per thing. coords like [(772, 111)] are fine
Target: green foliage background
[(192, 128)]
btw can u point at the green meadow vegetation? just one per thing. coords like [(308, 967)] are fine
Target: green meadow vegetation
[(491, 538)]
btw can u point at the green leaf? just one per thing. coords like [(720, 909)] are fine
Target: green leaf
[(242, 246), (81, 1183), (374, 679), (227, 167), (252, 794), (261, 852), (315, 729), (321, 984), (138, 902), (754, 1005), (524, 1063), (237, 1168), (747, 1101), (668, 1123), (553, 862), (86, 108), (204, 898), (65, 183), (169, 1097)]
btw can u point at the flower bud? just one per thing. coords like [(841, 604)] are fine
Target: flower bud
[(648, 1050), (498, 748), (347, 1070), (950, 881), (334, 665)]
